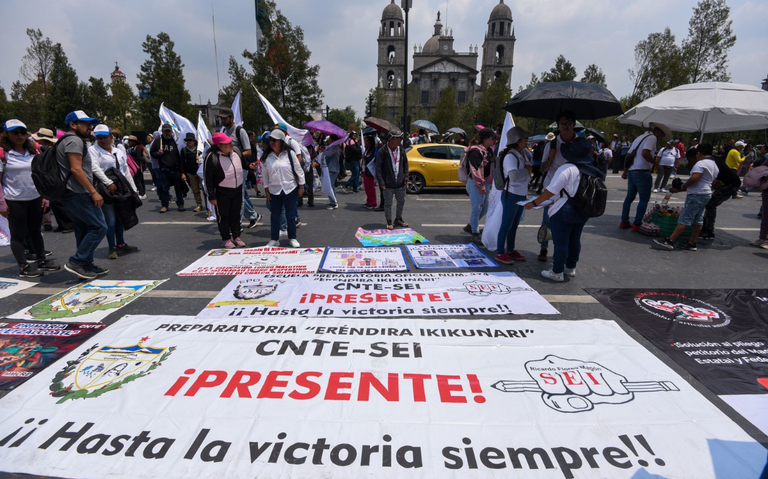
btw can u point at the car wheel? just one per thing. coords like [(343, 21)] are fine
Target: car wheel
[(415, 183)]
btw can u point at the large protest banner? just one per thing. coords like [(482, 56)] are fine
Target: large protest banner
[(12, 286), (176, 397), (226, 262), (363, 260), (441, 256), (720, 336), (365, 295), (87, 302), (28, 348)]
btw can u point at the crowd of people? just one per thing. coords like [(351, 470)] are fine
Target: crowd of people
[(104, 177)]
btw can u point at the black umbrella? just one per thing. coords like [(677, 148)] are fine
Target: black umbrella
[(597, 134), (589, 101)]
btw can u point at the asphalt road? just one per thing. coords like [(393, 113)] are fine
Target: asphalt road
[(610, 258)]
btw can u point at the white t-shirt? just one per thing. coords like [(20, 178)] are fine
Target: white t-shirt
[(102, 160), (647, 141), (567, 178), (668, 156), (277, 173), (709, 171), (556, 164), (514, 169), (607, 153), (17, 176)]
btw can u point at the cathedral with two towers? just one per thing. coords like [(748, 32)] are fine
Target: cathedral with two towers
[(436, 64)]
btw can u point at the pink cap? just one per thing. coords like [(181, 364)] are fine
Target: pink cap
[(219, 138)]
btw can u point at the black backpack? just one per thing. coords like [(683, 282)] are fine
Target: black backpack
[(497, 168), (591, 196), (46, 172)]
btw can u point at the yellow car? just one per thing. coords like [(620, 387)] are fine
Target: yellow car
[(433, 164)]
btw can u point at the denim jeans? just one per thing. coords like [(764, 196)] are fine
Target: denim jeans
[(567, 225), (638, 182), (114, 226), (354, 177), (90, 227), (478, 202), (289, 201), (247, 211), (545, 221), (510, 220), (283, 221), (167, 178)]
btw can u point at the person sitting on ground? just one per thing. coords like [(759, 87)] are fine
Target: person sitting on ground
[(699, 189)]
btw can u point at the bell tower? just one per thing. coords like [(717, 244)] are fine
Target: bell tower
[(499, 45), (391, 62)]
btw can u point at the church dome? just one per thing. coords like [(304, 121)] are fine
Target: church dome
[(392, 12), (432, 45), (501, 12)]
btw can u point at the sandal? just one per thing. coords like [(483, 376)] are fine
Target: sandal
[(389, 226), (401, 223)]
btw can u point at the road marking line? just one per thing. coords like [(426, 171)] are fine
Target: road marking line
[(438, 225), (739, 229), (570, 298)]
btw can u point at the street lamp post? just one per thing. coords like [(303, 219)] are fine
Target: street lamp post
[(406, 5)]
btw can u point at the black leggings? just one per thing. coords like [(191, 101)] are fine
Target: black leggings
[(229, 201), (26, 218)]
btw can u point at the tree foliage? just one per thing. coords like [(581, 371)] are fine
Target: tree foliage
[(446, 112), (254, 115), (380, 106), (490, 107), (38, 61), (658, 66), (710, 37), (122, 104), (161, 80), (65, 94), (96, 99), (594, 74), (562, 71), (344, 118), (468, 118)]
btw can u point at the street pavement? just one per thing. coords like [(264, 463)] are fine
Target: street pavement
[(610, 257)]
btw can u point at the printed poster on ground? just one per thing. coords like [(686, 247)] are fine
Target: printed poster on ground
[(366, 295), (720, 336), (175, 397), (386, 237), (442, 256), (228, 262), (363, 260), (28, 348), (88, 302), (9, 287)]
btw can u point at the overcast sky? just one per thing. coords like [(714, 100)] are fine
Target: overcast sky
[(341, 34)]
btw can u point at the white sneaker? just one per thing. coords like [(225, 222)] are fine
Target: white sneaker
[(549, 274), (570, 272), (211, 218), (273, 244), (143, 197), (663, 190), (154, 188), (294, 243), (655, 190), (283, 233)]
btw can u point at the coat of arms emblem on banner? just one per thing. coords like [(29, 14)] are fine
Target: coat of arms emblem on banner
[(102, 369)]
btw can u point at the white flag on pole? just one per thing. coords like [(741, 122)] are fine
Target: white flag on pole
[(495, 209), (203, 134), (181, 126), (297, 133), (236, 109)]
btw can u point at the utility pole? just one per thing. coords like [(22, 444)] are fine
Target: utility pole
[(406, 5)]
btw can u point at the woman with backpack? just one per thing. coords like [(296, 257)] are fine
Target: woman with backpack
[(480, 177), (20, 202), (224, 171), (516, 176), (283, 184), (565, 221)]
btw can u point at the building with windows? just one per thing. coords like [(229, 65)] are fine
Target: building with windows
[(436, 64)]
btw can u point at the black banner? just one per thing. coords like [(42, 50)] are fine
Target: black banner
[(720, 336)]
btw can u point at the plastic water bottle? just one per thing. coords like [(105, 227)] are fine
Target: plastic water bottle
[(666, 199)]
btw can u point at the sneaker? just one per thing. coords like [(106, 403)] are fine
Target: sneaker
[(764, 246), (239, 242), (273, 244), (154, 188), (369, 207), (379, 208), (570, 272), (32, 257), (542, 255), (757, 242), (738, 197), (333, 207), (143, 197), (198, 209), (663, 190), (210, 218), (283, 233), (80, 271), (625, 225), (706, 236), (294, 243), (516, 256), (67, 230), (47, 265), (468, 229), (665, 243), (112, 254), (477, 238), (164, 209), (251, 224), (656, 190), (29, 272), (688, 246), (181, 208), (98, 271), (549, 274), (228, 244), (504, 259), (125, 249)]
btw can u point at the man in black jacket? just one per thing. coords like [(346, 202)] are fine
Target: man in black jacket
[(726, 184), (392, 175), (165, 150)]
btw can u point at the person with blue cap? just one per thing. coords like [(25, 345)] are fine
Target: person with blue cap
[(565, 221), (81, 200)]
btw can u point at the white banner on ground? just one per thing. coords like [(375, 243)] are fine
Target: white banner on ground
[(222, 262), (177, 397), (88, 302), (12, 286), (365, 295), (364, 260), (437, 256)]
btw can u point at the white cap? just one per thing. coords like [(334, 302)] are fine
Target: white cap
[(101, 130), (13, 124), (740, 143)]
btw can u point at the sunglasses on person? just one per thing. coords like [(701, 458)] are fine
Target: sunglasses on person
[(19, 131)]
